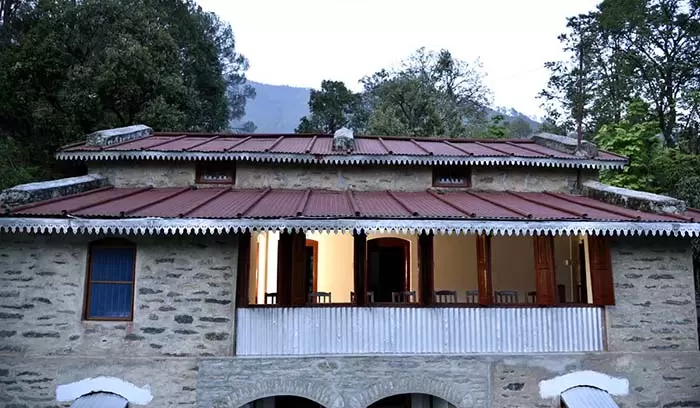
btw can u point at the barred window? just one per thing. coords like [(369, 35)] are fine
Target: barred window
[(452, 177)]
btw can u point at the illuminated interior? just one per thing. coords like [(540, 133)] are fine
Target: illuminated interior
[(330, 268)]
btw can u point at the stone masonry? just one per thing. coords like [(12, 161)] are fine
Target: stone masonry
[(663, 380), (654, 296), (400, 178), (184, 294), (182, 338), (145, 173)]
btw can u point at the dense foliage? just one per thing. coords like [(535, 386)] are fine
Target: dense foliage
[(71, 67), (633, 80), (430, 94)]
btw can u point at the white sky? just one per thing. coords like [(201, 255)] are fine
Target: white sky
[(302, 42)]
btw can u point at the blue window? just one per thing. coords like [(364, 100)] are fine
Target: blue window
[(110, 292)]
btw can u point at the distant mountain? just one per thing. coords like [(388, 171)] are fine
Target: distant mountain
[(278, 108)]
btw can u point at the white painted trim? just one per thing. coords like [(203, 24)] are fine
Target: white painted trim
[(126, 390), (556, 386), (354, 159), (178, 226)]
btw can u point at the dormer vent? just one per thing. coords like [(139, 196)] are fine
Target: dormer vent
[(343, 140)]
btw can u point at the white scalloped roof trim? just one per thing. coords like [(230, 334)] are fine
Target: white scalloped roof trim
[(130, 392), (166, 226), (347, 160)]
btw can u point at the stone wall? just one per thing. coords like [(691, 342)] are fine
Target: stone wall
[(31, 381), (145, 173), (370, 177), (654, 296), (183, 306), (534, 179), (665, 379)]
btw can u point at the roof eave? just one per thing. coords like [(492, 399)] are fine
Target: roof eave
[(173, 226), (347, 159)]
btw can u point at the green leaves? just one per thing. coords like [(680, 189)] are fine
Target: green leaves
[(332, 107), (68, 68)]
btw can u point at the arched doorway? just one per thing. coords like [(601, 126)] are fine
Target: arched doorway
[(388, 267), (283, 401), (412, 401)]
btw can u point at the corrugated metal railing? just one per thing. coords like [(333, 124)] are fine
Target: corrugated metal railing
[(389, 330)]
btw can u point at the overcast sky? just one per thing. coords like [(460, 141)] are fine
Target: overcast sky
[(302, 42)]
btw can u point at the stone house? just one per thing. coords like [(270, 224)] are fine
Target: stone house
[(278, 271)]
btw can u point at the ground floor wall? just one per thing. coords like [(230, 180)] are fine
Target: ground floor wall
[(661, 379)]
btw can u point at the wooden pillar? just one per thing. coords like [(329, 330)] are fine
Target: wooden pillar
[(545, 280), (284, 269), (483, 268), (360, 267), (426, 277), (243, 270)]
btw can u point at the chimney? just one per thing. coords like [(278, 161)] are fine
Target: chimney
[(566, 144), (117, 135), (343, 139)]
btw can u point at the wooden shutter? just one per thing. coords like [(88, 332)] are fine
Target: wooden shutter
[(299, 295), (360, 267), (243, 270), (426, 272), (601, 271), (544, 269), (284, 269), (483, 268), (291, 269)]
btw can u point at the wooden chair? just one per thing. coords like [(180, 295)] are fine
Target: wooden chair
[(403, 297), (532, 296), (472, 296), (370, 297), (446, 296), (320, 297), (506, 296), (272, 297)]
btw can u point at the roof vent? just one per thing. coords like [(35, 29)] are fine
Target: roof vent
[(117, 135), (633, 199), (343, 139), (566, 144)]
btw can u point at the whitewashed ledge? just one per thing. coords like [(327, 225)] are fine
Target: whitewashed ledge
[(170, 226)]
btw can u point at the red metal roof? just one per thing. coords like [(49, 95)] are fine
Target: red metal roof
[(222, 203), (321, 145)]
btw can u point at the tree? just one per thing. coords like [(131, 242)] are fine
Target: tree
[(68, 68), (498, 127), (637, 137), (432, 94), (519, 128), (332, 107), (593, 84)]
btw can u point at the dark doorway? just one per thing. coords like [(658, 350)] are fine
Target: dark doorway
[(287, 401), (396, 401), (388, 268), (311, 265)]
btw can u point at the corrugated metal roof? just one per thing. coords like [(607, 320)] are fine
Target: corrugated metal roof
[(226, 203), (307, 148), (100, 400), (587, 397)]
